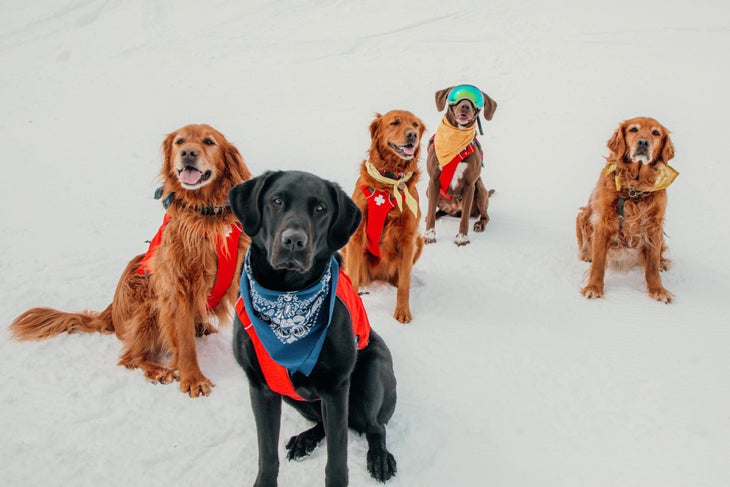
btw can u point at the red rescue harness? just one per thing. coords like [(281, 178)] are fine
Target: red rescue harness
[(227, 250), (379, 205), (447, 171), (277, 377)]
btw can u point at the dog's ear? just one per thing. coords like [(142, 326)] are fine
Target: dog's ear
[(668, 147), (346, 220), (490, 106), (235, 163), (167, 155), (375, 125), (616, 144), (441, 96), (245, 201)]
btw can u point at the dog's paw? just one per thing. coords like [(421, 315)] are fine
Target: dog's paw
[(196, 386), (204, 329), (160, 375), (381, 464), (301, 445), (665, 264), (592, 292), (430, 236), (461, 240), (403, 314), (481, 225), (661, 294)]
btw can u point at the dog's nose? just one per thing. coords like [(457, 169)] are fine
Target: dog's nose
[(189, 154), (643, 144), (293, 239), (411, 136)]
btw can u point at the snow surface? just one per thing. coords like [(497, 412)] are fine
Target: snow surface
[(506, 376)]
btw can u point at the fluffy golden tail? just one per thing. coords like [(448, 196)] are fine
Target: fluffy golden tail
[(42, 323)]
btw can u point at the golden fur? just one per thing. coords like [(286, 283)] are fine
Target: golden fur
[(640, 146), (400, 244), (157, 316)]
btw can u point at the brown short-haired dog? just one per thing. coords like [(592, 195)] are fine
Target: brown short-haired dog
[(387, 242), (454, 162), (622, 225), (189, 275)]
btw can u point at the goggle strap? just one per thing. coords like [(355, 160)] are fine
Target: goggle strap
[(479, 123)]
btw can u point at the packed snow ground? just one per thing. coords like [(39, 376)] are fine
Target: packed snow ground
[(506, 376)]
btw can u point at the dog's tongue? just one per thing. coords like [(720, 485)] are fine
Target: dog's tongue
[(408, 149), (190, 176)]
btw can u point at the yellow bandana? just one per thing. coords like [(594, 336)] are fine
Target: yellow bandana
[(449, 141), (397, 184), (667, 175)]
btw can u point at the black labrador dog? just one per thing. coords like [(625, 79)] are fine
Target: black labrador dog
[(297, 222)]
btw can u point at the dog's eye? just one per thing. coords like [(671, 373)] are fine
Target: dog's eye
[(320, 208), (395, 123), (415, 125), (208, 141), (179, 141), (278, 201), (634, 129), (655, 133)]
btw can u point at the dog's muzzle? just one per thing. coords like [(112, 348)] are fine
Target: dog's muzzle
[(642, 151)]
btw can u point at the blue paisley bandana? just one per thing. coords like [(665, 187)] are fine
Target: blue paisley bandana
[(291, 325)]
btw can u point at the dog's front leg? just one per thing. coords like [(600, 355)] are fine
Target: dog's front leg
[(334, 415), (594, 288), (403, 294), (432, 193), (175, 315), (652, 266), (267, 413), (461, 237)]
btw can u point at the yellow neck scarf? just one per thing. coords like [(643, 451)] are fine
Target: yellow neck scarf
[(667, 175), (449, 141), (397, 184)]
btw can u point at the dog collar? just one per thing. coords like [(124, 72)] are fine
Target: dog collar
[(397, 185), (207, 210), (667, 175)]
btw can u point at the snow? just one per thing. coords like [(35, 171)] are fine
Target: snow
[(506, 376)]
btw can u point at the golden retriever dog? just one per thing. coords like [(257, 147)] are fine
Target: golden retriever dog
[(188, 277), (622, 225), (387, 243)]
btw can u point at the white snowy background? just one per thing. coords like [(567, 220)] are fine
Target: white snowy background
[(507, 376)]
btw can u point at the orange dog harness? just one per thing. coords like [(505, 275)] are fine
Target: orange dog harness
[(227, 250)]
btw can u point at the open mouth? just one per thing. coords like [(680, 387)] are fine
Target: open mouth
[(191, 177), (406, 151), (641, 155)]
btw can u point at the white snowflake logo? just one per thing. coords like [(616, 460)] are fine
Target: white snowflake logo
[(379, 200)]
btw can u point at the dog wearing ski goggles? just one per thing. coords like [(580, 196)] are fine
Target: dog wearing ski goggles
[(454, 162)]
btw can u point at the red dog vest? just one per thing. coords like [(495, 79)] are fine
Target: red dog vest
[(227, 250), (277, 377), (379, 205), (447, 171)]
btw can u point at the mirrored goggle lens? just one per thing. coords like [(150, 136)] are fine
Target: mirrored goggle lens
[(466, 92)]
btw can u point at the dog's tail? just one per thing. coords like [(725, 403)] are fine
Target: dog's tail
[(42, 323)]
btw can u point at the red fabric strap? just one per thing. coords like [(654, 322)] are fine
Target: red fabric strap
[(379, 204), (227, 250), (277, 377), (447, 171)]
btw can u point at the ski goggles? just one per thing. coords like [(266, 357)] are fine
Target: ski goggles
[(466, 92)]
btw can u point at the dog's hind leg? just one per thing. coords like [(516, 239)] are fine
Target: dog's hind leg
[(372, 403), (481, 205)]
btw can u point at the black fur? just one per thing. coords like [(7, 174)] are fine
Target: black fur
[(296, 222)]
